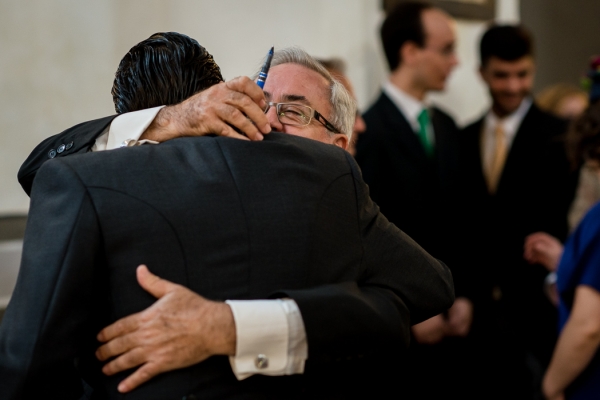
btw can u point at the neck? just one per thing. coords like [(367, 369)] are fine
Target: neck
[(501, 112), (403, 80)]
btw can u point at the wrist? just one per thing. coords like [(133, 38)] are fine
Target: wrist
[(224, 323), (162, 127), (548, 388)]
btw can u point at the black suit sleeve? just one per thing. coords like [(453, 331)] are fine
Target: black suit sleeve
[(77, 139), (400, 285), (48, 315)]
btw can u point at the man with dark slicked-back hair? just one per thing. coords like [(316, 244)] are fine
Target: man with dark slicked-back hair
[(163, 70), (320, 286), (517, 182)]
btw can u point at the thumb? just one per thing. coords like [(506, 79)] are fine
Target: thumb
[(153, 284)]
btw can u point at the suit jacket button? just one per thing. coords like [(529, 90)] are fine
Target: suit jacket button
[(189, 397), (69, 145), (61, 148), (52, 153), (261, 361)]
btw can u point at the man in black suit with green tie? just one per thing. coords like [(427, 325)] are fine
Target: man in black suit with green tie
[(409, 158), (516, 181)]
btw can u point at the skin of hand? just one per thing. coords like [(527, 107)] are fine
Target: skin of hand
[(460, 317), (239, 103), (180, 329), (430, 331), (577, 344), (558, 396), (544, 249)]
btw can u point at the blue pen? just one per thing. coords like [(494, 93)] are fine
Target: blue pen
[(262, 75)]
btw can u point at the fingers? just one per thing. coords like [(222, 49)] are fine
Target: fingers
[(249, 99), (245, 85), (125, 361), (151, 283), (115, 347), (120, 328), (140, 376), (235, 118)]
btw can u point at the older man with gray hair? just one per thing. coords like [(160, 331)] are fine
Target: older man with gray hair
[(282, 236)]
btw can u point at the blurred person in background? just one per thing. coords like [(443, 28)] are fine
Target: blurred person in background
[(409, 158), (517, 181), (563, 100), (337, 68), (540, 247), (574, 372)]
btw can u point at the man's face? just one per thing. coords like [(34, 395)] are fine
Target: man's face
[(509, 82), (293, 83), (437, 58)]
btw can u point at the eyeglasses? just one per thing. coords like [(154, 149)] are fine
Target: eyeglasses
[(299, 115)]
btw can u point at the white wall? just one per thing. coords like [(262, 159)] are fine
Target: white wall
[(57, 59)]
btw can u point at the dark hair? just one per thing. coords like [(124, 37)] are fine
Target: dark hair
[(164, 69), (583, 137), (403, 24), (507, 42)]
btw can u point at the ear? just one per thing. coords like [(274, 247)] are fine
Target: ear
[(409, 52), (340, 140)]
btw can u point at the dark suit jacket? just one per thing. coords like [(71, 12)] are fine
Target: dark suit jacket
[(230, 220), (75, 140), (533, 194), (414, 192)]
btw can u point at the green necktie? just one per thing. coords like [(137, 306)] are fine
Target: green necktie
[(423, 119)]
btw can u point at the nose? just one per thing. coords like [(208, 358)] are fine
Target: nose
[(513, 85), (273, 120)]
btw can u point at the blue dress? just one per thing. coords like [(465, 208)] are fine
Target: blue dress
[(580, 265)]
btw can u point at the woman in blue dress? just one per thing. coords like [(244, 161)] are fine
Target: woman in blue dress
[(574, 372)]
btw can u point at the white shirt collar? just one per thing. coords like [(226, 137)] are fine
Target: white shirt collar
[(510, 125), (511, 122), (409, 106)]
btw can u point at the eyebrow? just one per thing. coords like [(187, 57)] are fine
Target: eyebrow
[(290, 98)]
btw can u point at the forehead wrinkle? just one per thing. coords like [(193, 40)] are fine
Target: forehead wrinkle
[(295, 98)]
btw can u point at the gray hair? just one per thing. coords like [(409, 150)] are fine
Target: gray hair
[(343, 106)]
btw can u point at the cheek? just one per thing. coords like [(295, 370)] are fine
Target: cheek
[(497, 85)]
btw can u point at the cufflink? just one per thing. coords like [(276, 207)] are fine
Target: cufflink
[(128, 143), (261, 361)]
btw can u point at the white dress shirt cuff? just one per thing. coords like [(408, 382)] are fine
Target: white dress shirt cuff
[(271, 339), (126, 129)]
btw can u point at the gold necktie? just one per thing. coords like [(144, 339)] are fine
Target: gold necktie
[(497, 165)]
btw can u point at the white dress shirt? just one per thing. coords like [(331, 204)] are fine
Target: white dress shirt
[(271, 338), (409, 106), (510, 125)]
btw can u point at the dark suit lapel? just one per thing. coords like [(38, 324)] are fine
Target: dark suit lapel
[(520, 150), (446, 151), (473, 154), (400, 132)]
